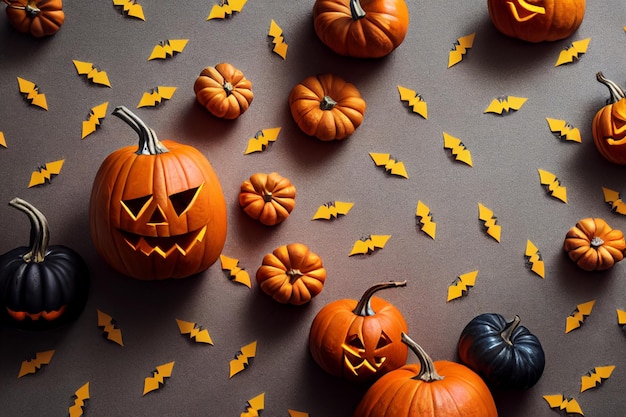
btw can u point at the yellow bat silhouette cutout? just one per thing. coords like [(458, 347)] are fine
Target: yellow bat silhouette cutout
[(391, 165), (553, 185), (425, 219), (227, 8), (461, 285), (261, 140), (621, 317), (504, 105), (255, 406), (81, 394), (195, 332), (276, 33), (534, 261), (109, 328), (96, 115), (332, 210), (46, 172), (415, 102), (31, 366), (369, 244), (491, 228), (157, 379), (242, 358), (595, 377), (569, 405), (563, 130), (458, 149), (31, 92), (168, 48), (614, 199), (460, 49), (92, 73), (3, 141), (131, 8), (573, 53), (236, 273), (156, 96), (577, 318)]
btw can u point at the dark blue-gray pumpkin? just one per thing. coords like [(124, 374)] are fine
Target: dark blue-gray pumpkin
[(504, 353), (41, 286)]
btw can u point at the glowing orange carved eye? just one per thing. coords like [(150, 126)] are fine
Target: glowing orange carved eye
[(136, 206), (527, 11)]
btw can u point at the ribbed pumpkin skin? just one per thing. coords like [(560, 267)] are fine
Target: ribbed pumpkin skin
[(46, 22), (609, 132), (269, 198), (583, 247), (224, 91)]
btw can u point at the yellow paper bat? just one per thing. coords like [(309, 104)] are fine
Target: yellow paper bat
[(157, 379), (332, 210), (503, 105), (369, 244), (458, 149), (573, 53), (168, 48), (31, 366), (96, 115), (294, 413), (569, 405), (131, 8), (242, 358), (460, 49), (415, 102), (621, 317), (226, 8), (236, 273), (276, 33), (195, 332), (563, 130), (93, 74), (461, 285), (255, 406), (3, 141), (491, 228), (39, 176), (32, 94), (261, 140), (390, 164), (614, 199), (156, 96), (534, 261), (577, 318), (82, 394), (425, 219), (595, 377), (553, 185), (109, 328)]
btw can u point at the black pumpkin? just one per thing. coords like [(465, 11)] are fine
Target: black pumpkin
[(41, 286), (505, 354)]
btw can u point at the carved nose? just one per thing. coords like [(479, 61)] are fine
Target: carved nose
[(157, 217)]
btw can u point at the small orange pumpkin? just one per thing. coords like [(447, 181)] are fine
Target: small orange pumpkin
[(224, 91), (291, 274), (327, 107), (594, 245), (37, 17), (268, 198), (609, 124)]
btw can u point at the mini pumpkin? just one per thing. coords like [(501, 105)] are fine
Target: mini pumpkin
[(609, 124), (504, 353), (594, 245), (41, 286), (359, 340), (291, 274), (361, 28), (428, 389), (38, 18), (157, 210), (327, 107), (537, 20), (268, 198), (224, 91)]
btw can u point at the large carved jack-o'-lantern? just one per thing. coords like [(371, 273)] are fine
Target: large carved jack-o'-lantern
[(157, 211)]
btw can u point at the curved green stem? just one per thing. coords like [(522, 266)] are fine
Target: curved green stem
[(356, 10), (507, 332), (363, 308), (616, 91), (149, 144), (427, 373), (39, 230)]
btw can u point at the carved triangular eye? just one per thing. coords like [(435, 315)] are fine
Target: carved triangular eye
[(383, 341), (356, 342), (136, 206), (183, 200)]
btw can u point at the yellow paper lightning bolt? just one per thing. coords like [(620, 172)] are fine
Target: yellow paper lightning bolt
[(156, 96), (534, 261), (131, 8), (458, 149), (621, 317), (195, 332), (93, 74), (573, 53), (614, 199), (569, 405), (3, 141), (332, 210), (276, 33), (235, 273), (109, 329), (261, 140), (504, 105), (168, 48), (369, 244), (460, 49), (491, 228), (461, 285), (563, 130), (595, 377), (255, 406), (390, 164), (553, 185), (415, 102), (82, 394), (226, 8), (46, 172), (31, 366), (31, 92), (96, 115), (425, 219), (577, 318), (242, 358), (157, 379)]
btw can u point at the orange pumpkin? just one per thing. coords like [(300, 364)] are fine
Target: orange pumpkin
[(269, 198), (359, 340), (609, 124), (327, 107), (428, 389), (537, 20), (37, 17), (157, 211), (224, 91), (291, 274), (594, 245), (361, 28)]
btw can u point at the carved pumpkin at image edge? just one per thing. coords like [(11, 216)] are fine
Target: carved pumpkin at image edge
[(41, 286), (359, 340), (224, 91), (157, 210), (36, 17), (594, 245), (537, 20), (609, 124), (361, 28), (268, 198), (327, 107)]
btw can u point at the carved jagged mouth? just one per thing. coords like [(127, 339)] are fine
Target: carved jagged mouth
[(164, 246), (45, 315), (525, 11), (357, 362)]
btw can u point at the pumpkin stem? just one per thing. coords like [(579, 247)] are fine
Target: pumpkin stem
[(149, 144), (294, 275), (616, 91), (267, 197), (327, 103), (228, 88), (356, 10), (507, 333), (596, 242), (364, 308), (31, 10), (39, 230), (427, 373)]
